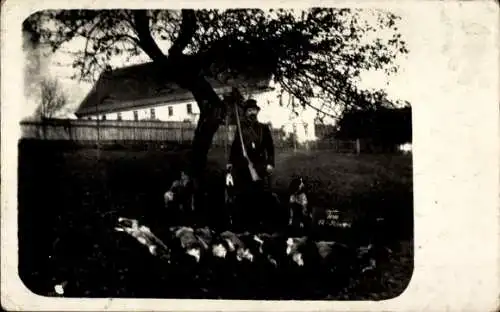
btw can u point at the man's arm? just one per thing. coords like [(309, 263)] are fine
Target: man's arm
[(269, 145)]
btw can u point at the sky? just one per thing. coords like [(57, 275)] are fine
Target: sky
[(425, 40)]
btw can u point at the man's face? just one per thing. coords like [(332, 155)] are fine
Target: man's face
[(251, 114)]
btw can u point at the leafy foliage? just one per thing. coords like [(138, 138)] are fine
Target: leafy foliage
[(106, 34), (384, 125), (317, 53)]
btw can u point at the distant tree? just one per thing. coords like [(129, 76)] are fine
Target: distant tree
[(385, 126), (53, 98), (315, 53)]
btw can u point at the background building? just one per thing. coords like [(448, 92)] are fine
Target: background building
[(142, 92)]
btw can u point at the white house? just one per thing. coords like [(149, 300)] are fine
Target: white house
[(141, 92), (276, 110)]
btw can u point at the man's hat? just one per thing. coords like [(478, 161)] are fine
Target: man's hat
[(251, 103)]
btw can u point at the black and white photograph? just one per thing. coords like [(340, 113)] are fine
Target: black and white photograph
[(226, 153), (215, 154)]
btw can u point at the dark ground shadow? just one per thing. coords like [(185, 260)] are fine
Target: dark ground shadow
[(70, 199)]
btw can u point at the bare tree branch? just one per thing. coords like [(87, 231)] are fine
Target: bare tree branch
[(186, 33), (53, 98), (86, 53), (146, 41)]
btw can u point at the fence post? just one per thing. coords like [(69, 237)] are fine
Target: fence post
[(97, 117), (294, 138), (226, 136), (182, 133)]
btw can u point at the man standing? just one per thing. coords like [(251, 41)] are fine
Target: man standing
[(259, 147)]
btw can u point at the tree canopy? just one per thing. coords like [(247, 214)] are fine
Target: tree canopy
[(317, 53), (385, 125)]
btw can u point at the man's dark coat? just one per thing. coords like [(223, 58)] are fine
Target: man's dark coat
[(260, 149), (252, 196)]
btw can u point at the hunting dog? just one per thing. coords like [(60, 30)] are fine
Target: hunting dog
[(178, 193), (300, 215), (178, 199)]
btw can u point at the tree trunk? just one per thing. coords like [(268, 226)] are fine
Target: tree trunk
[(188, 73), (202, 141), (212, 110)]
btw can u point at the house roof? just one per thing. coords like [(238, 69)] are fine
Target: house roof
[(147, 85)]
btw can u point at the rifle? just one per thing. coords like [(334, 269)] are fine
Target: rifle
[(253, 172)]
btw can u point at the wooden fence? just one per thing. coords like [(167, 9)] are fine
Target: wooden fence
[(127, 132), (106, 130)]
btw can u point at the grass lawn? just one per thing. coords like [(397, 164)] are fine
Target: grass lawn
[(69, 199)]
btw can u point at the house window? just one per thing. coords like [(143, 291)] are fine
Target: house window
[(189, 108), (118, 116), (136, 115), (153, 113), (170, 111)]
